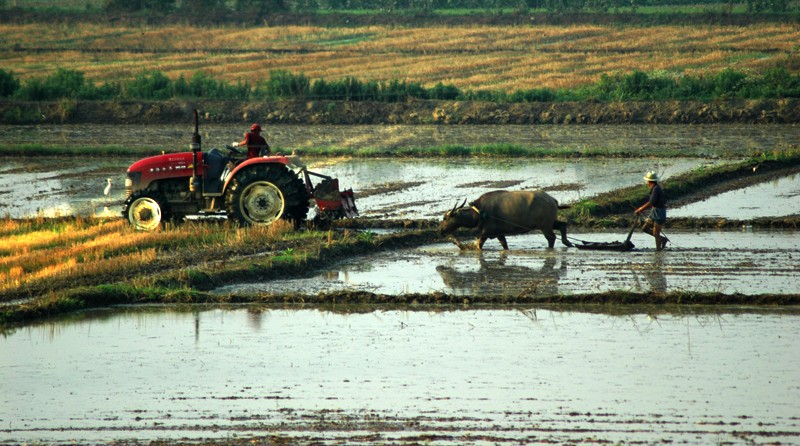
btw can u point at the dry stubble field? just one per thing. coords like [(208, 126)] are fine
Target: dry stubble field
[(469, 57)]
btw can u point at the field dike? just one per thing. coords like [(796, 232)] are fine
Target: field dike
[(410, 112), (58, 266)]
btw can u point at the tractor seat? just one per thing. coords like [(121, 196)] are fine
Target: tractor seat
[(215, 163)]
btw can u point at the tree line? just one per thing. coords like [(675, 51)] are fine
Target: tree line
[(776, 82)]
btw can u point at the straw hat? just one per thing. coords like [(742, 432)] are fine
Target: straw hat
[(652, 177)]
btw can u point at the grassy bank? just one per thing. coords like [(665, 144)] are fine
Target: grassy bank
[(55, 266), (65, 85)]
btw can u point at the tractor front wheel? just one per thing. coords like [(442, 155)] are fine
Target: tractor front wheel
[(263, 194), (145, 211)]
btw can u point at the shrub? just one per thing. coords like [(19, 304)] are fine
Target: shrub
[(444, 92), (149, 85), (533, 95), (776, 82), (283, 84), (8, 83), (728, 82), (180, 87), (692, 87), (61, 84), (201, 85)]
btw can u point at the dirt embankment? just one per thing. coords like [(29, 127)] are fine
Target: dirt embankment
[(784, 111)]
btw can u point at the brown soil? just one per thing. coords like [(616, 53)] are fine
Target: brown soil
[(785, 111)]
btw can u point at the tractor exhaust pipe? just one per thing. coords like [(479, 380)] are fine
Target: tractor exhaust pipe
[(194, 184)]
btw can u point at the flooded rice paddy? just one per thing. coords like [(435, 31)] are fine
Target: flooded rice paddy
[(392, 188), (515, 376), (387, 188), (502, 376), (744, 262), (774, 198)]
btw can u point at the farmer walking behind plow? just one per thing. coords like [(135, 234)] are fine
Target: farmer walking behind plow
[(658, 210)]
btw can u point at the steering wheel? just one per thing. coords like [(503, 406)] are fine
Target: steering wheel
[(233, 149)]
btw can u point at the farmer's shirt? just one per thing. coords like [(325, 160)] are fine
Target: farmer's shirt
[(255, 143), (657, 197)]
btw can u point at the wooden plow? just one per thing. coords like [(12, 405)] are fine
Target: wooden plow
[(626, 245)]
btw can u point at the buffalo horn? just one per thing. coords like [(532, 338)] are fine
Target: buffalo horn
[(457, 206)]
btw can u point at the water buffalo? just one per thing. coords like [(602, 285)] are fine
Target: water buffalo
[(500, 213)]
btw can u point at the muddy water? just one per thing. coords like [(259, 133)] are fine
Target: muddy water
[(460, 377), (728, 262), (775, 198), (51, 186), (392, 188), (417, 188), (429, 188)]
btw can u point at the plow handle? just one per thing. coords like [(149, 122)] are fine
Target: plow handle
[(633, 226)]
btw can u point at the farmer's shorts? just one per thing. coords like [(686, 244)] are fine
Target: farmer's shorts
[(658, 215)]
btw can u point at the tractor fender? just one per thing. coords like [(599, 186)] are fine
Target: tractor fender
[(282, 160)]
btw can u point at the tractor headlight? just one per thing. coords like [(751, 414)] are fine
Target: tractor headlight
[(132, 182)]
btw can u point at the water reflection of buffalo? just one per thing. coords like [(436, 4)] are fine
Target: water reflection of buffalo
[(495, 277), (500, 213)]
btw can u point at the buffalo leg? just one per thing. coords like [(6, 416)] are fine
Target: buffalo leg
[(502, 241), (550, 236), (562, 227), (479, 243)]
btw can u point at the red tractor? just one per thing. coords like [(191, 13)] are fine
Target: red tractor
[(255, 191)]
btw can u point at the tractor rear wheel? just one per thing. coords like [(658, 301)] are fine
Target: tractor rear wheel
[(145, 210), (262, 194)]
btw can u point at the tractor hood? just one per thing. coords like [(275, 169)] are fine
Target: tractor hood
[(179, 165), (170, 165), (170, 162)]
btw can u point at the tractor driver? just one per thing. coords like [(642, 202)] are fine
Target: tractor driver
[(256, 144)]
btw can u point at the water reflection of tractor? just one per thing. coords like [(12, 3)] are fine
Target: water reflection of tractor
[(254, 191)]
